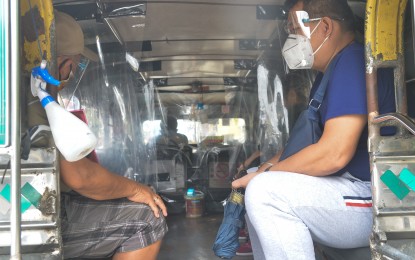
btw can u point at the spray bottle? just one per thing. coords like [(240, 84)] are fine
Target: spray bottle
[(72, 136)]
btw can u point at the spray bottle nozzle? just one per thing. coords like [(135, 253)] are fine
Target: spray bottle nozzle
[(42, 71), (40, 76)]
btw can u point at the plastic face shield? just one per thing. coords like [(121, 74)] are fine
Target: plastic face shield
[(76, 73), (298, 23), (70, 85)]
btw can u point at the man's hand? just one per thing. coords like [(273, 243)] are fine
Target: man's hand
[(243, 182), (146, 195), (94, 181)]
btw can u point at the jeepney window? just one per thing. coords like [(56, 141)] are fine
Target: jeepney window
[(220, 130)]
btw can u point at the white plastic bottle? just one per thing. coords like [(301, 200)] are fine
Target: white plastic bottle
[(72, 136)]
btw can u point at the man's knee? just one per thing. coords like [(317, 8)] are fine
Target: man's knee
[(271, 186), (257, 191)]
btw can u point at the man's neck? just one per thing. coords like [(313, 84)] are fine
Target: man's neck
[(342, 42)]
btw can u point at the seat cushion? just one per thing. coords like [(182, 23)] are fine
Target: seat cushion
[(330, 253)]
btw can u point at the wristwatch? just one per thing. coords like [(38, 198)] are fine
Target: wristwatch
[(267, 169)]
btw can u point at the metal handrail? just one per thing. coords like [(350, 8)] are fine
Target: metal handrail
[(401, 119), (32, 226), (391, 252)]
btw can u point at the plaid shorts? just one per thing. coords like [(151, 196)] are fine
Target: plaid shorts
[(98, 229)]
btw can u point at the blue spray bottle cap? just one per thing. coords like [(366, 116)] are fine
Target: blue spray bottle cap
[(190, 192)]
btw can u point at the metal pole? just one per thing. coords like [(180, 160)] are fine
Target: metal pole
[(393, 253), (15, 215), (413, 23)]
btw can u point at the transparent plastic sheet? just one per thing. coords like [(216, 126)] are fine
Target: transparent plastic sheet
[(273, 123), (281, 100), (111, 108), (125, 117), (209, 159), (127, 111), (116, 10), (211, 145)]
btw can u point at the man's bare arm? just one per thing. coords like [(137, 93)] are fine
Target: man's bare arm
[(334, 151), (94, 181)]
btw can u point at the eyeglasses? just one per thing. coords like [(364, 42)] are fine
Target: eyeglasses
[(295, 26)]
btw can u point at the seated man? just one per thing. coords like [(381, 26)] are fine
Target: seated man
[(102, 214), (169, 135), (306, 197)]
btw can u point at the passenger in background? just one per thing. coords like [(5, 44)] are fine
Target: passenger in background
[(169, 135), (102, 214), (306, 197), (296, 91), (296, 87)]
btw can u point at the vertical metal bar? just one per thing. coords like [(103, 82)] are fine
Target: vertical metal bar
[(413, 23), (15, 216), (372, 91), (400, 87), (372, 106), (400, 91)]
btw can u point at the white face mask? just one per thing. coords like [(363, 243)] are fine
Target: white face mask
[(297, 51)]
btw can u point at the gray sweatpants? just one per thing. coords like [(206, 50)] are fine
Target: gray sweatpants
[(287, 211)]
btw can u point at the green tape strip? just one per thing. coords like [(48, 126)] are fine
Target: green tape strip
[(24, 203), (394, 184), (5, 192), (30, 193), (3, 74), (408, 178)]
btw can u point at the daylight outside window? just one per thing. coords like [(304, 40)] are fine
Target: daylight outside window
[(231, 130)]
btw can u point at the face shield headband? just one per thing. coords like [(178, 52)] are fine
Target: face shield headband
[(76, 73), (298, 23)]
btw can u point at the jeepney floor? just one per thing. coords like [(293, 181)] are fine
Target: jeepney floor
[(192, 238)]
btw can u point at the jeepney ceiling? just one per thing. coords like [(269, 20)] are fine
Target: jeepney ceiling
[(180, 44), (191, 38)]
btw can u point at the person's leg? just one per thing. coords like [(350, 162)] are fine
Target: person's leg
[(249, 229), (253, 238), (100, 229), (149, 253), (243, 232), (289, 210)]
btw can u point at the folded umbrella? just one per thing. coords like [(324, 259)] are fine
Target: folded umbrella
[(227, 242)]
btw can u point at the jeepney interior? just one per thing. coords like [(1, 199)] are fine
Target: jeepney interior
[(214, 65)]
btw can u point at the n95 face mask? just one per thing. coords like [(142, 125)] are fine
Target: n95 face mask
[(297, 52)]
